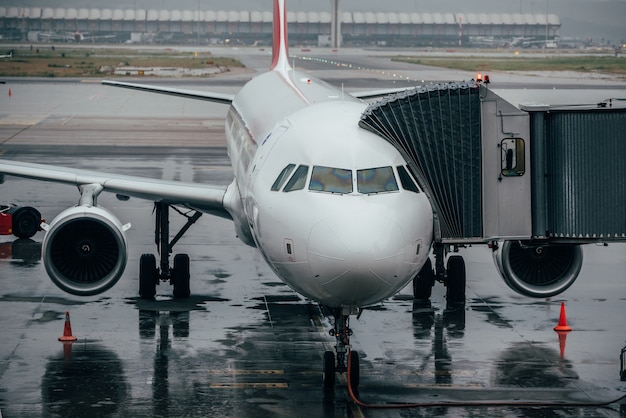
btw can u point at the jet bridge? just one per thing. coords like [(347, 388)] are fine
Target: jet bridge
[(494, 171)]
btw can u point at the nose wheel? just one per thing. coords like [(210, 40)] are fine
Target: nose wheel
[(337, 362)]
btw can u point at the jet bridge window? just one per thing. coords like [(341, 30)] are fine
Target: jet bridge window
[(298, 180), (376, 180), (407, 180), (513, 160), (282, 177), (331, 180)]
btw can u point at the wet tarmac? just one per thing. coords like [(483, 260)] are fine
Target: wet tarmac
[(244, 344)]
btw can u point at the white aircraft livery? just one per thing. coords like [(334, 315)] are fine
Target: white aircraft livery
[(333, 208)]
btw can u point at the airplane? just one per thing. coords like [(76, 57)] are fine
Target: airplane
[(75, 36), (334, 209), (9, 54)]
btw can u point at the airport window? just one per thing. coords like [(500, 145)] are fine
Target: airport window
[(376, 180), (331, 180), (282, 177), (298, 180), (406, 180), (513, 157)]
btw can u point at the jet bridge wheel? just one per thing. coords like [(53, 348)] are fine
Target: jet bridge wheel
[(455, 280), (147, 276), (424, 281)]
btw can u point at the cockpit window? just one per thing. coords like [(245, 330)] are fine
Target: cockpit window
[(376, 180), (282, 177), (406, 180), (298, 180), (331, 180)]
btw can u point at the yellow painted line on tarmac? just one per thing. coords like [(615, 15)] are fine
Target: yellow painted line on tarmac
[(249, 374), (243, 385), (431, 373), (22, 119), (442, 386), (239, 372)]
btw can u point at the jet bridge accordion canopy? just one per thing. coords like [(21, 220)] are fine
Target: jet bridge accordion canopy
[(437, 128)]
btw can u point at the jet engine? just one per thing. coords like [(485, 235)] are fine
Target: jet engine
[(538, 271), (84, 250)]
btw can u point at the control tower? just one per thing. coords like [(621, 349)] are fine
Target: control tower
[(335, 23)]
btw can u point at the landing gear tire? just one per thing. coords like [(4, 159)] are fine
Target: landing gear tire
[(355, 374), (424, 281), (180, 279), (329, 370), (456, 279), (147, 276)]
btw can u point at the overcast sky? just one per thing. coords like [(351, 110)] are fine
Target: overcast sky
[(579, 18)]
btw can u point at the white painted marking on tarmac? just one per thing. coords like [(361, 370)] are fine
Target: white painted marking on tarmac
[(67, 120)]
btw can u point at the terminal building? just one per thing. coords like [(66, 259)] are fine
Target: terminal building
[(255, 27)]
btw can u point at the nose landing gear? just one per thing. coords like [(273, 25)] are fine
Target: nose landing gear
[(338, 363)]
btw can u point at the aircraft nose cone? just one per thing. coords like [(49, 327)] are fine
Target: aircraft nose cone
[(356, 257)]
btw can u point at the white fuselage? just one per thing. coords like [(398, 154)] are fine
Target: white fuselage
[(343, 226)]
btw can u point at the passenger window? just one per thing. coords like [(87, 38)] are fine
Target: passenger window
[(298, 180), (282, 177), (407, 180), (376, 180), (331, 180), (513, 160)]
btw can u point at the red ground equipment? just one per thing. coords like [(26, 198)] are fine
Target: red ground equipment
[(21, 221)]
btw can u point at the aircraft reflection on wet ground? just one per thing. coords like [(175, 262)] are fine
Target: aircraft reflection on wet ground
[(87, 376)]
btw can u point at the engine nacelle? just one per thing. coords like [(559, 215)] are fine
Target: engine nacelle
[(84, 250), (538, 271)]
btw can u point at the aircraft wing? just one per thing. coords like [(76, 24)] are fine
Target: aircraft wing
[(203, 197), (189, 94)]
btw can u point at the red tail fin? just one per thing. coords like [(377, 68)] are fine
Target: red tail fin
[(280, 50)]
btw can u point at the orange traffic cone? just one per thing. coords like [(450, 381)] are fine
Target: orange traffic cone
[(10, 94), (67, 330), (562, 327)]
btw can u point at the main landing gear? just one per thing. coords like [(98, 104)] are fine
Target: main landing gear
[(149, 274), (452, 275), (338, 364)]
